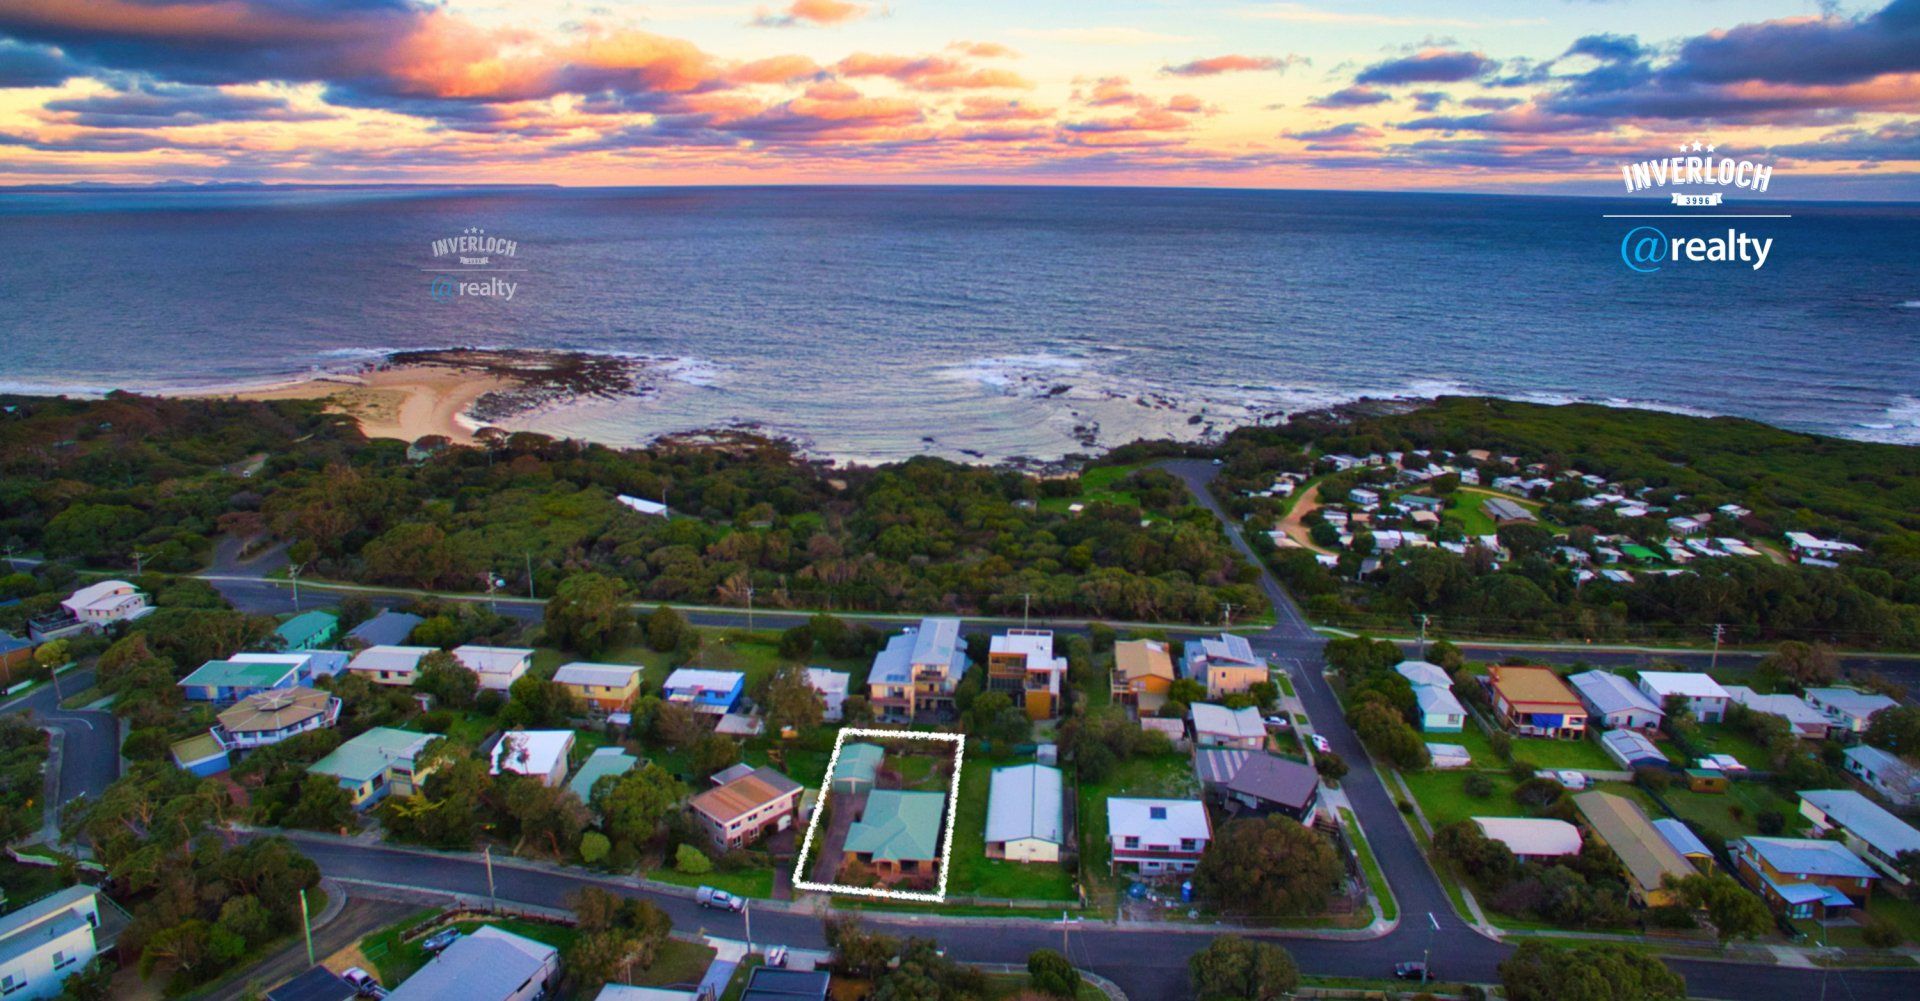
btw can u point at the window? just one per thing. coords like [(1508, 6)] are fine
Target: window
[(12, 982), (1188, 844), (1157, 812), (1132, 842), (61, 960)]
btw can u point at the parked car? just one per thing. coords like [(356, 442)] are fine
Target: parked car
[(437, 942), (1320, 744), (707, 896), (1412, 971), (362, 982), (777, 956), (1279, 722)]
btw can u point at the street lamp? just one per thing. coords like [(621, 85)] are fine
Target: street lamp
[(1427, 956)]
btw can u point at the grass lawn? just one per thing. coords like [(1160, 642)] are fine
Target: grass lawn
[(738, 984), (1375, 878), (1442, 796), (25, 884), (677, 963), (1716, 812), (756, 883), (801, 764), (1584, 753), (1003, 986), (1463, 509), (1096, 484), (975, 875), (1719, 738)]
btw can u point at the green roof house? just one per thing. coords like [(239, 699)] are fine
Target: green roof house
[(308, 631), (378, 763), (854, 772), (898, 834)]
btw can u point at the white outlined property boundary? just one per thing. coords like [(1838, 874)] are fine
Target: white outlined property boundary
[(800, 880)]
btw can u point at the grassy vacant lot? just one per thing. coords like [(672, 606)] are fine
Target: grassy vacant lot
[(1584, 753), (1719, 738), (1097, 484), (677, 963), (976, 875), (1443, 797), (1735, 813), (746, 883)]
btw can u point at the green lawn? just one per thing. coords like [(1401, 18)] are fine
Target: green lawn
[(1735, 813), (677, 963), (1442, 796), (1389, 909), (1719, 738), (1096, 484), (975, 875), (1463, 509), (1584, 753), (757, 883)]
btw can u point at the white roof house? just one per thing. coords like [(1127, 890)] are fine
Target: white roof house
[(1422, 673), (540, 754), (485, 965), (389, 665), (1887, 774), (831, 686), (498, 666), (1530, 837), (600, 675), (1232, 727), (1025, 813), (49, 940), (1703, 695), (1615, 701), (1805, 720), (1158, 835), (1848, 707), (646, 507), (107, 601)]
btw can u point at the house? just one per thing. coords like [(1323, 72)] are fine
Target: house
[(744, 808), (1804, 877), (917, 671), (1806, 722), (109, 601), (1225, 664), (600, 688), (539, 754), (1445, 756), (1419, 672), (1507, 512), (486, 964), (1807, 547), (854, 770), (1258, 783), (772, 983), (714, 693), (1647, 858), (601, 763), (1702, 695), (1142, 674), (307, 631), (831, 686), (1533, 702), (1531, 838), (317, 984), (15, 652), (1884, 773), (1681, 839), (1865, 827), (1850, 708), (897, 834), (1020, 663), (1615, 702), (497, 666), (381, 762), (652, 509), (1025, 814), (389, 628), (241, 675), (389, 665), (267, 718), (1423, 502), (1157, 836), (1440, 711), (1364, 497), (49, 940), (1218, 726), (1632, 749), (1175, 730), (200, 755)]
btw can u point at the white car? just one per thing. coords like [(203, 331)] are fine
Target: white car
[(362, 982), (707, 896), (1320, 744)]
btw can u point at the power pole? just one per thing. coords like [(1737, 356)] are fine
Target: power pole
[(746, 914), (1026, 609), (1718, 631), (1229, 613), (1065, 924), (493, 604), (1427, 956), (749, 608), (306, 926), (493, 902), (293, 574), (1423, 636), (139, 561), (529, 575)]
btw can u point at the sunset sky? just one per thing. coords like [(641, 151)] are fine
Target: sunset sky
[(1496, 95)]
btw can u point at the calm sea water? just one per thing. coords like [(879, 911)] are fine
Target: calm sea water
[(878, 323)]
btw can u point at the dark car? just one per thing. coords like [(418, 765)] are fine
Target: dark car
[(1412, 971), (437, 942)]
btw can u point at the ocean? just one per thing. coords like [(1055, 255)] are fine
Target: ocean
[(984, 323)]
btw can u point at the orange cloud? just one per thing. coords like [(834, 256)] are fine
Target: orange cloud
[(1233, 64), (814, 12), (929, 72)]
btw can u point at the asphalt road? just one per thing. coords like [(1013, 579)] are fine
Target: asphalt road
[(90, 741)]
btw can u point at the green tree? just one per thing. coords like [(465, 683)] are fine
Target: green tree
[(1232, 968), (857, 951), (537, 704), (791, 701), (1051, 974), (588, 613), (1538, 971), (1387, 735), (691, 860), (322, 806), (594, 847), (449, 682), (1735, 913), (1270, 866), (633, 806), (665, 628), (1808, 665)]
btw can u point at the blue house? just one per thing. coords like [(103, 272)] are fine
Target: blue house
[(711, 692), (242, 675)]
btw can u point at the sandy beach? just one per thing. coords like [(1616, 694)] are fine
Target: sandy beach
[(408, 402)]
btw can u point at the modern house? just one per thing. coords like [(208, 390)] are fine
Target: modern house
[(107, 602), (389, 665), (1648, 859), (266, 718), (1884, 773), (1142, 674), (917, 671), (1020, 663), (1218, 726), (856, 768), (1258, 783), (498, 667), (1806, 722), (200, 755), (1225, 664), (600, 688), (389, 628), (1157, 836), (1615, 703), (831, 686), (379, 763), (1681, 839), (1532, 701), (1874, 834), (714, 693), (49, 940), (747, 807), (1026, 814), (1631, 749), (1804, 877), (1702, 695), (1531, 837), (1849, 708), (486, 964), (897, 834), (241, 675), (307, 631), (537, 754), (601, 763)]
